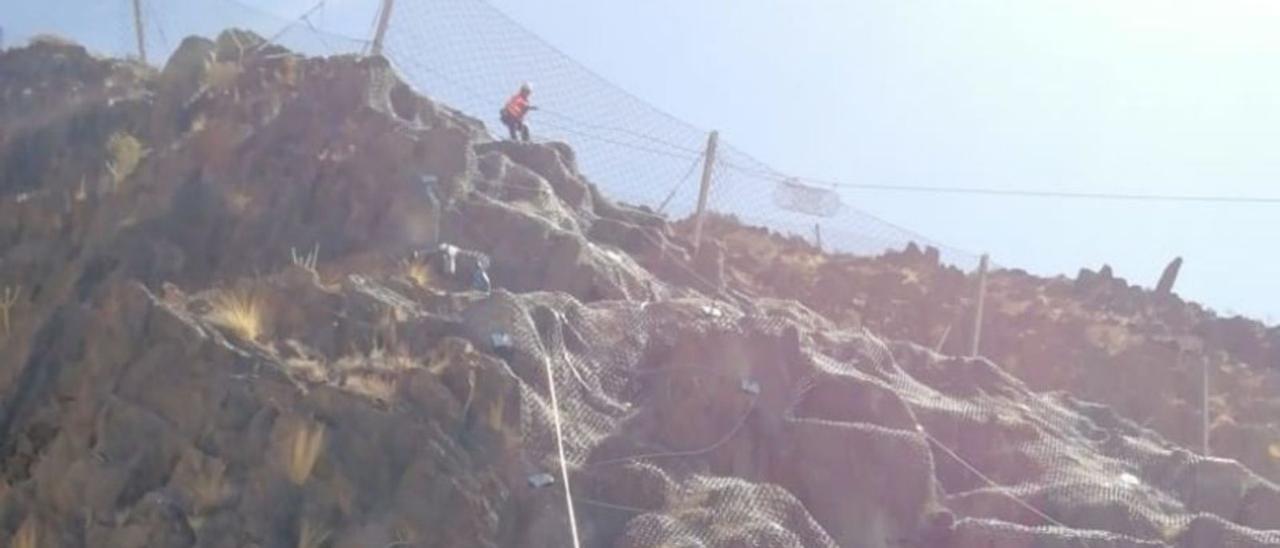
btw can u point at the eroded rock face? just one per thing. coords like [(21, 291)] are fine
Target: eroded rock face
[(230, 325)]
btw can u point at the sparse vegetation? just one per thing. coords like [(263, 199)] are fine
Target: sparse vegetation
[(124, 153), (304, 449), (7, 299), (239, 312)]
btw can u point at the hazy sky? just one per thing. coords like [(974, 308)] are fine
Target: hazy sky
[(1133, 96)]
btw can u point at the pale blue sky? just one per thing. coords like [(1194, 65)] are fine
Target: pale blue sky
[(1136, 96)]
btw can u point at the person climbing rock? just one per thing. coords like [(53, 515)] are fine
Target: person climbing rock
[(513, 113)]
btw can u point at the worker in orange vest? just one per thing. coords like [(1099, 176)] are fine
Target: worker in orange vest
[(514, 111)]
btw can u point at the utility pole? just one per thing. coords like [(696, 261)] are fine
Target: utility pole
[(384, 18), (977, 311), (707, 165), (137, 28)]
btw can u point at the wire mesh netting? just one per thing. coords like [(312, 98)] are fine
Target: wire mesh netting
[(469, 55), (860, 423)]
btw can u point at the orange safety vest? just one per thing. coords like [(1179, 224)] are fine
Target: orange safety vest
[(517, 106)]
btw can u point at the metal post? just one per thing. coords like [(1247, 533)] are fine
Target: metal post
[(1204, 410), (977, 312), (137, 28), (817, 235), (706, 186), (384, 18)]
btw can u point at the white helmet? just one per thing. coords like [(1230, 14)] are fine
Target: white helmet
[(526, 88)]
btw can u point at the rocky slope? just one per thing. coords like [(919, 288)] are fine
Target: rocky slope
[(228, 321), (1096, 336)]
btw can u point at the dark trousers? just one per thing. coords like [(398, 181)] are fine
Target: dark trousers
[(517, 128)]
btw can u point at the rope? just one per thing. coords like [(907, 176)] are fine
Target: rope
[(611, 506), (293, 22), (1000, 488), (624, 144), (690, 453), (1009, 192), (622, 130), (679, 184), (564, 466)]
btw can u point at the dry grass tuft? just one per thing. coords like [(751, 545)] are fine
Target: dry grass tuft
[(375, 387), (27, 535), (239, 312), (418, 271), (124, 153), (306, 261), (304, 450), (375, 375)]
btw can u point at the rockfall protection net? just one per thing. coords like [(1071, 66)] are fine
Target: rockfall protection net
[(469, 55), (683, 418)]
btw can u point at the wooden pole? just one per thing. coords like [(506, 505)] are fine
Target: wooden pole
[(138, 31), (706, 186), (384, 18), (977, 311)]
